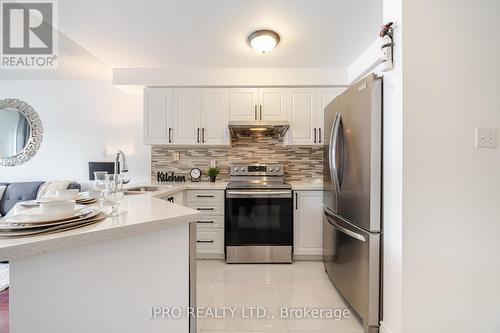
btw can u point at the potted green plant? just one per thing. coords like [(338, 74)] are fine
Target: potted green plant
[(212, 173)]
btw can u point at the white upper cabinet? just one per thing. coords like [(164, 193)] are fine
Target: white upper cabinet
[(272, 104), (302, 116), (243, 103), (157, 115), (325, 96), (197, 116), (215, 116), (258, 104), (187, 116), (305, 108)]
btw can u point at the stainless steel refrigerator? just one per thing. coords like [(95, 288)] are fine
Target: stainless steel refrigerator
[(352, 197)]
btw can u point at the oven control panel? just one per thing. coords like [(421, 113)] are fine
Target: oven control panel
[(256, 170)]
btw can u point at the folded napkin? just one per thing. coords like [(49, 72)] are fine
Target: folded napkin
[(50, 188)]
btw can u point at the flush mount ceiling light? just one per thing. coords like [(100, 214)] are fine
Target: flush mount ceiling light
[(263, 41)]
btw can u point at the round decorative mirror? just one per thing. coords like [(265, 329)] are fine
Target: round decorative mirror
[(21, 132)]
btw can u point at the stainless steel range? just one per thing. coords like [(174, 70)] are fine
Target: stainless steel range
[(258, 215)]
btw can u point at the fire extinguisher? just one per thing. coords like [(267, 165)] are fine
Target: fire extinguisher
[(387, 47)]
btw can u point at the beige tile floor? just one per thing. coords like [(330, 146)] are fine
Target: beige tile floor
[(301, 284)]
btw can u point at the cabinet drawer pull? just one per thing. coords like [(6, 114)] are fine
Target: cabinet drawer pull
[(205, 196), (204, 241), (205, 222), (205, 208)]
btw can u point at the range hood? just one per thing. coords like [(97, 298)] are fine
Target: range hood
[(267, 128)]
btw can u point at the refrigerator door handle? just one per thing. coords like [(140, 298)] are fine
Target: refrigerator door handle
[(332, 152), (342, 151), (345, 230)]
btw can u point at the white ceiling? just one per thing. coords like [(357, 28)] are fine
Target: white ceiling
[(212, 33)]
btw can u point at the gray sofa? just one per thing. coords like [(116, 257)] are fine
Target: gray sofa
[(24, 191)]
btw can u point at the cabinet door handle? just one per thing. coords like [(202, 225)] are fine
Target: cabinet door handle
[(205, 222), (314, 135), (170, 135), (204, 241), (203, 134), (204, 208), (198, 135), (260, 112), (205, 196), (319, 136), (255, 111), (296, 201)]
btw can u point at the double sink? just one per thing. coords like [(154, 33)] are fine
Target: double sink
[(142, 190)]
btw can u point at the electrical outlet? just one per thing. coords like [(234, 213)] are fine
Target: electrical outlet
[(486, 137), (213, 164), (177, 156)]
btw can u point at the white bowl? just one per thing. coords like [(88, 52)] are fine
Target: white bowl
[(67, 194), (54, 207)]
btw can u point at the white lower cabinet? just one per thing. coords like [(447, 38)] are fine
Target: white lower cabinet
[(179, 198), (210, 226), (308, 224), (209, 243)]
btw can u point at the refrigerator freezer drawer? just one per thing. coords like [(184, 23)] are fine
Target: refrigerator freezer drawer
[(352, 260)]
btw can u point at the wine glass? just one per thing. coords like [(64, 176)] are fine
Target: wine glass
[(114, 192), (100, 182)]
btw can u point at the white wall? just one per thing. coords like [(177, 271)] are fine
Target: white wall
[(365, 63), (82, 113), (80, 117), (451, 210), (393, 183)]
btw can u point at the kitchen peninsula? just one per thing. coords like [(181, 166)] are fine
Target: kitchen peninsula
[(106, 277)]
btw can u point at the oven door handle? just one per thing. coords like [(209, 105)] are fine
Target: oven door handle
[(259, 194)]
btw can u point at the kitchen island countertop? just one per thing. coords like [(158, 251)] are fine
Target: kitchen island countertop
[(140, 213)]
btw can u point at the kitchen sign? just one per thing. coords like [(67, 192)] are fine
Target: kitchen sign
[(165, 177)]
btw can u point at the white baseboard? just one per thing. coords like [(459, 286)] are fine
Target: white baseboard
[(384, 328), (307, 257), (210, 256)]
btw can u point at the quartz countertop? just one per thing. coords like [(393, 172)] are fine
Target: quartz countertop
[(140, 213), (167, 189), (307, 185)]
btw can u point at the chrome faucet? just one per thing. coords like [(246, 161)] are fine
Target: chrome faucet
[(124, 168)]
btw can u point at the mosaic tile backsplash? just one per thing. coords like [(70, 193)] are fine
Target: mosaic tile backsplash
[(300, 162)]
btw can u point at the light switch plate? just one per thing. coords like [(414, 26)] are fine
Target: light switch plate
[(177, 156), (213, 164), (486, 137)]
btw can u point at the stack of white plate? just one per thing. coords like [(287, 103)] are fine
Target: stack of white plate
[(35, 222), (86, 198), (83, 198)]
